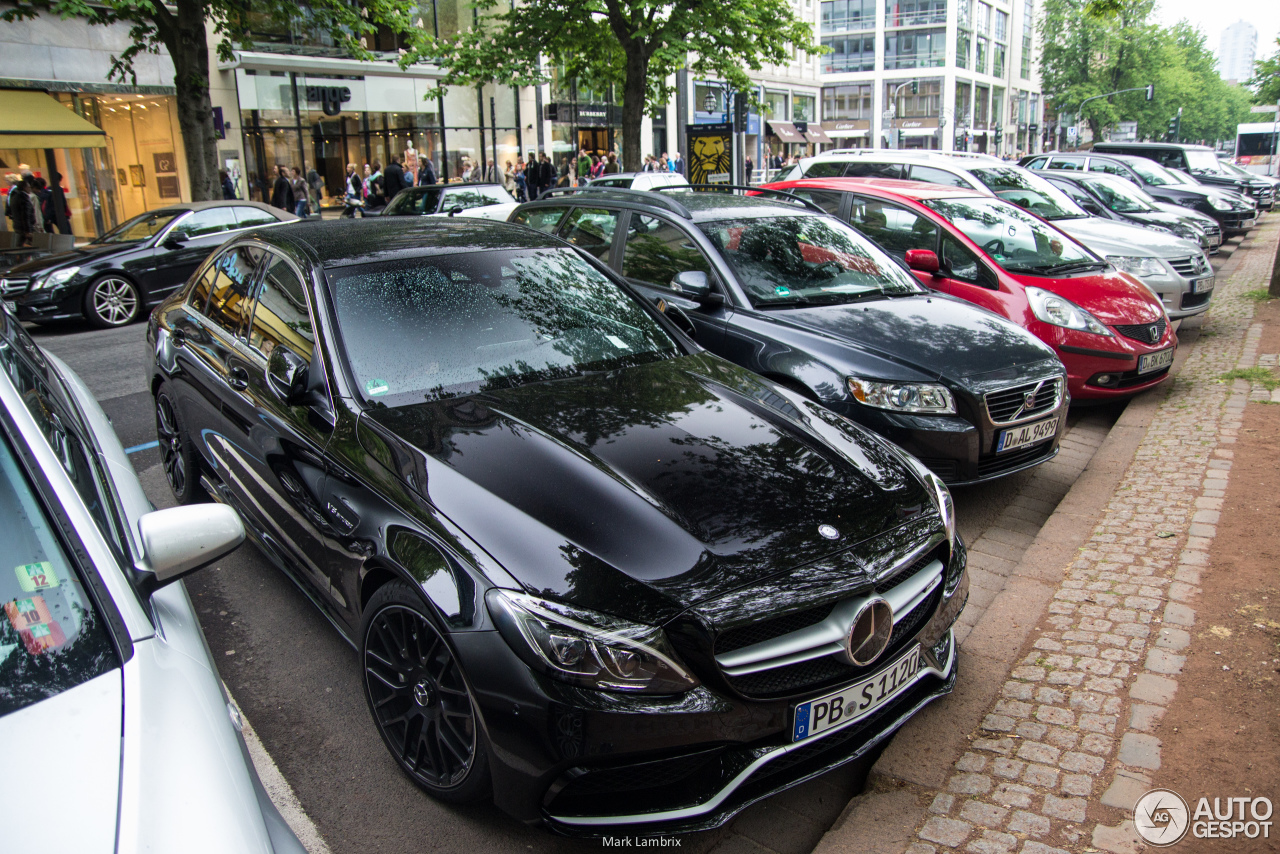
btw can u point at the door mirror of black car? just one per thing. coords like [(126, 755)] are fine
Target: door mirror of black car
[(693, 284), (175, 239), (923, 260), (455, 210), (287, 375), (678, 317)]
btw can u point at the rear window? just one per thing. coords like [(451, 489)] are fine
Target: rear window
[(52, 638)]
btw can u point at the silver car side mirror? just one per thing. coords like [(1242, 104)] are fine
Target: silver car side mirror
[(180, 540)]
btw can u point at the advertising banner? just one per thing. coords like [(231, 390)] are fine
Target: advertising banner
[(710, 153)]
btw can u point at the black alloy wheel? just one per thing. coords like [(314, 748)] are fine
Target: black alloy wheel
[(419, 698), (111, 301), (181, 462)]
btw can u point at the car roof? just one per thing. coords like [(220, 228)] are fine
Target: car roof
[(955, 158), (914, 190), (700, 206), (371, 240), (461, 185), (1155, 145)]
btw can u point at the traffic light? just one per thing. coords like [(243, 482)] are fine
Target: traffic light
[(999, 135), (1175, 127), (740, 111), (1151, 91), (915, 87)]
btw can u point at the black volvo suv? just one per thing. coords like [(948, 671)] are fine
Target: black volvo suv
[(778, 286)]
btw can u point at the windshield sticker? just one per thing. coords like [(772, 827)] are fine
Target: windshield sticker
[(42, 637), (36, 576), (25, 613), (617, 342), (782, 291), (373, 388)]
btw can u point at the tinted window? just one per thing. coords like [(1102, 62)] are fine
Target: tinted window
[(876, 170), (656, 250), (1069, 164), (624, 183), (280, 313), (827, 200), (139, 228), (591, 230), (247, 217), (937, 176), (895, 229), (51, 636), (460, 324), (825, 169), (476, 197), (414, 202), (228, 296), (543, 219), (204, 222)]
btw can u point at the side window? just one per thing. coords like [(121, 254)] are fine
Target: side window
[(894, 228), (247, 217), (229, 293), (656, 250), (1069, 164), (825, 199), (199, 296), (280, 313), (937, 176), (543, 219), (876, 170), (1038, 163), (826, 169), (1077, 195), (591, 229), (958, 262), (209, 221), (1106, 166)]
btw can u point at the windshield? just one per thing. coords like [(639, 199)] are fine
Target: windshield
[(140, 227), (1029, 191), (1202, 161), (789, 260), (476, 197), (1014, 239), (1152, 172), (1121, 196), (452, 325), (51, 636)]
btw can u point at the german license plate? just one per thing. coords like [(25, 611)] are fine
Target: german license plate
[(1201, 286), (1155, 361), (856, 701), (1027, 434), (1248, 223)]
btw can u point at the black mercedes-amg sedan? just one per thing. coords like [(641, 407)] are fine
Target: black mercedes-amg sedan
[(592, 571), (114, 279)]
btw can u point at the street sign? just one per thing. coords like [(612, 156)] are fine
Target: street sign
[(1071, 134), (1265, 108), (888, 114)]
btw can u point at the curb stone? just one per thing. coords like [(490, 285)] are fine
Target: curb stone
[(1046, 741)]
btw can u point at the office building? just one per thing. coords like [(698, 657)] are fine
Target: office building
[(1237, 50)]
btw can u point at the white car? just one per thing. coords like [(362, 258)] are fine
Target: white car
[(484, 201), (640, 180)]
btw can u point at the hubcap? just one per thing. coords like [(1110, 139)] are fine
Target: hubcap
[(418, 697), (175, 466), (115, 301)]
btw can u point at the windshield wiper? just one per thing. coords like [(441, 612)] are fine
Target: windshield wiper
[(791, 302), (1076, 267)]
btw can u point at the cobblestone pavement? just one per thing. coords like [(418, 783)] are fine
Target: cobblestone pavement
[(1060, 757)]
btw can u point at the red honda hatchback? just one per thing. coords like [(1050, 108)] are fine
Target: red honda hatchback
[(1107, 328)]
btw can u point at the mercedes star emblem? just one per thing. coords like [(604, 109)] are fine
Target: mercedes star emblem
[(869, 635), (829, 532)]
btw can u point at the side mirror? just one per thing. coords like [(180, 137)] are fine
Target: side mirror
[(923, 260), (1093, 208), (180, 540), (693, 284), (287, 375), (176, 238), (678, 317), (455, 210)]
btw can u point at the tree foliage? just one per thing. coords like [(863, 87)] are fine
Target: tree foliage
[(1115, 46), (632, 45), (1266, 78)]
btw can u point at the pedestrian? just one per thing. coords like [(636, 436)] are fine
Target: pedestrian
[(352, 192), (662, 165), (426, 172), (282, 191), (521, 182), (583, 171), (612, 167), (22, 210), (41, 195), (228, 188), (490, 172), (546, 174), (301, 194), (565, 178), (374, 189), (393, 177), (59, 210), (677, 164), (749, 166), (648, 163), (509, 178), (315, 188)]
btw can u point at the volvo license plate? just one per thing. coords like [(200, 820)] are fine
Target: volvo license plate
[(856, 701), (1155, 361), (1027, 434)]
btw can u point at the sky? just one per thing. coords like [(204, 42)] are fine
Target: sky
[(1213, 17)]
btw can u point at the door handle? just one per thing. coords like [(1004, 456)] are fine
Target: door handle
[(238, 378)]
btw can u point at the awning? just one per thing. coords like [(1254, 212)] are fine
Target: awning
[(816, 134), (786, 132), (31, 119)]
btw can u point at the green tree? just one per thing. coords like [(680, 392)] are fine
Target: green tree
[(180, 27), (1266, 78), (633, 45)]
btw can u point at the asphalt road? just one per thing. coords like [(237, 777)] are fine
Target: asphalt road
[(298, 681)]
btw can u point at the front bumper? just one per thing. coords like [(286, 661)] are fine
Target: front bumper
[(1091, 357), (60, 303), (584, 762)]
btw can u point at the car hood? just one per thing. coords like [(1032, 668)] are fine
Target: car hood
[(79, 255), (1159, 217), (1109, 237), (1114, 298), (1184, 213), (658, 486), (936, 335)]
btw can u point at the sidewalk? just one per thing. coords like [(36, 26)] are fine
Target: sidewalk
[(1048, 740)]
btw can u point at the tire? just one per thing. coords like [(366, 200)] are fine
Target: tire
[(180, 459), (419, 698), (112, 301)]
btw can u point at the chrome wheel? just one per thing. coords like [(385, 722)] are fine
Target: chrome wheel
[(171, 450), (113, 301), (418, 698)]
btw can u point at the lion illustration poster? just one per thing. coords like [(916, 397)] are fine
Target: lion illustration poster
[(710, 154)]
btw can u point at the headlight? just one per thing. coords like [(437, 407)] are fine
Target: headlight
[(1188, 232), (1137, 265), (1219, 204), (938, 490), (57, 277), (1053, 309), (587, 648), (925, 398)]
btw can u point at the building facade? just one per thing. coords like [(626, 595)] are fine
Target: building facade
[(1237, 49)]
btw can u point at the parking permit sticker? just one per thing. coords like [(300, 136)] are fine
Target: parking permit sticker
[(25, 613), (36, 576), (43, 636), (373, 388)]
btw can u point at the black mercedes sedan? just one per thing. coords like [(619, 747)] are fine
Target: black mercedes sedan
[(110, 281), (803, 298), (592, 571)]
